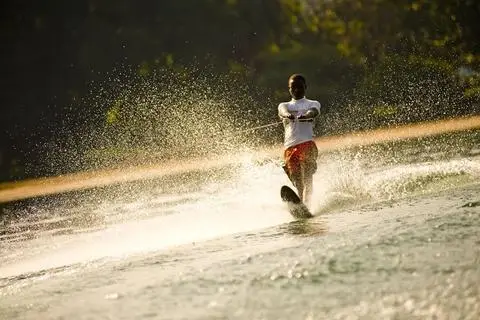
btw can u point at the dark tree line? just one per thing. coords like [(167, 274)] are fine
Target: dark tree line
[(89, 80)]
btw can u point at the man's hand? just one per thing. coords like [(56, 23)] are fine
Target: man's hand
[(309, 115), (289, 116)]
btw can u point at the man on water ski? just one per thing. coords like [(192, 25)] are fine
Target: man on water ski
[(300, 153)]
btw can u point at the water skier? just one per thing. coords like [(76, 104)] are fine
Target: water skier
[(301, 152)]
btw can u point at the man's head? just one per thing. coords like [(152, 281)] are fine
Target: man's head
[(297, 86)]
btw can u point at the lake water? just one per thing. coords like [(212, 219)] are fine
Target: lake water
[(396, 236)]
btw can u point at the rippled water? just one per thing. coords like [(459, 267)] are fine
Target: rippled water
[(396, 236)]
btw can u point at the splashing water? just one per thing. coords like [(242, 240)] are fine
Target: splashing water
[(150, 215), (207, 181), (179, 175), (166, 115)]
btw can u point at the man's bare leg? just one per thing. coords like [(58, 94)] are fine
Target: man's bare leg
[(308, 188), (300, 183), (297, 180)]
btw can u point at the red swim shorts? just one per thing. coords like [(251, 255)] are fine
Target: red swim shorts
[(305, 154)]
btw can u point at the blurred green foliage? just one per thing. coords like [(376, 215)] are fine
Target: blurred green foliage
[(370, 63)]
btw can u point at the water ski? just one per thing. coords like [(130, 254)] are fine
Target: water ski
[(296, 207)]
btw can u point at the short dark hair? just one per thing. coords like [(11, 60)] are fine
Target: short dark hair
[(297, 76)]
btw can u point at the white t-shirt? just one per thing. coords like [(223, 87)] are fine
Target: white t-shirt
[(297, 131)]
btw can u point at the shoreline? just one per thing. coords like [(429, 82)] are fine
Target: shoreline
[(30, 188)]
